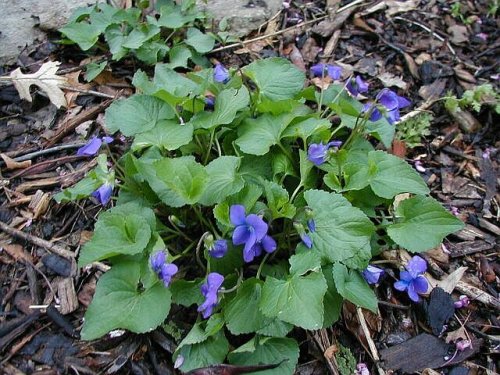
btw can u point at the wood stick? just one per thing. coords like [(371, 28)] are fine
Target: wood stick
[(49, 246), (369, 340)]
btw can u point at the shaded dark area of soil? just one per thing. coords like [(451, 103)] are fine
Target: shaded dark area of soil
[(422, 49)]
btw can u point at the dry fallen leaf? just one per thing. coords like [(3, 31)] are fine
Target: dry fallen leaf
[(395, 7), (12, 164), (389, 80), (45, 78)]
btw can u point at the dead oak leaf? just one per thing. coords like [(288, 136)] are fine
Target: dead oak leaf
[(45, 78)]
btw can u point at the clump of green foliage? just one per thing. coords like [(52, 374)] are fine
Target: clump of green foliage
[(483, 95), (413, 129)]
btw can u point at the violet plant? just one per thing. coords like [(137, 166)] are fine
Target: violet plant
[(255, 216)]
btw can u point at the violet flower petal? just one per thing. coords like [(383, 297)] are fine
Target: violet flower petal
[(168, 270), (317, 152), (412, 293), (311, 224), (107, 139), (420, 284), (219, 249), (389, 99), (362, 86), (268, 243), (209, 290), (103, 194), (401, 285), (237, 214), (241, 235), (334, 72), (259, 226), (156, 260), (221, 74), (416, 266), (306, 240), (91, 148), (372, 274)]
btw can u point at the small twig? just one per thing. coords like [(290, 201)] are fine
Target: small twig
[(369, 340), (89, 92), (46, 151), (393, 305), (49, 246), (248, 41)]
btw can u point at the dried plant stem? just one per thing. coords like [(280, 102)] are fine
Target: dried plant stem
[(369, 340), (49, 246)]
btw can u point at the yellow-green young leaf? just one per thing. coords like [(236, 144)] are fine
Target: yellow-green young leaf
[(227, 104), (137, 114), (116, 233), (351, 285), (276, 78), (176, 181), (201, 42), (297, 300), (166, 134), (268, 350), (343, 232), (119, 302), (386, 174), (242, 313), (224, 180), (421, 224)]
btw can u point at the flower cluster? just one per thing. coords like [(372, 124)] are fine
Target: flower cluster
[(165, 271), (412, 280), (318, 152), (210, 290), (250, 230)]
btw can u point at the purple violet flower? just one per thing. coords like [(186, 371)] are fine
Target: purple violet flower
[(164, 271), (311, 224), (209, 291), (209, 102), (218, 249), (268, 244), (356, 86), (157, 260), (372, 274), (318, 152), (250, 230), (319, 70), (103, 193), (221, 74), (92, 146), (412, 280), (168, 270), (391, 102), (463, 301), (306, 240)]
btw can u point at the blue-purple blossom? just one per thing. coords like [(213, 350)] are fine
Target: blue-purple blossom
[(209, 102), (103, 193), (250, 230), (168, 270), (221, 74), (318, 152), (372, 274), (92, 147), (209, 291), (157, 260), (164, 271), (356, 86), (463, 301), (391, 103), (320, 70), (412, 280), (305, 238), (218, 249), (268, 244), (311, 224)]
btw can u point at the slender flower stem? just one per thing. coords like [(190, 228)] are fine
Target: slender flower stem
[(198, 247), (262, 265), (296, 191), (212, 134)]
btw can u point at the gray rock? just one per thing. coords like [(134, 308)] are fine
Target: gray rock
[(23, 21), (243, 15)]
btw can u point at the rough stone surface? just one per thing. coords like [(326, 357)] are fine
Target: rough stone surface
[(23, 21), (243, 15)]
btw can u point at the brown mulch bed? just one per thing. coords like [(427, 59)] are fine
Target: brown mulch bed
[(418, 47)]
